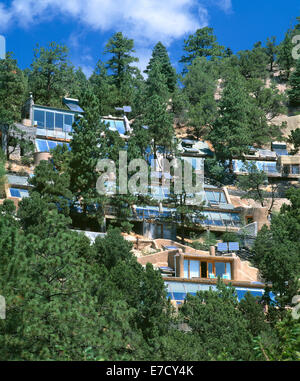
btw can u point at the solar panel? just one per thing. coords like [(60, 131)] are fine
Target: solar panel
[(127, 108), (234, 246), (74, 107), (222, 246)]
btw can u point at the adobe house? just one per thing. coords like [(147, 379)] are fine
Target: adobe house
[(186, 270)]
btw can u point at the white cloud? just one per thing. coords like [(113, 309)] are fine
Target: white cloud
[(225, 5), (87, 69), (147, 20), (144, 55), (5, 17)]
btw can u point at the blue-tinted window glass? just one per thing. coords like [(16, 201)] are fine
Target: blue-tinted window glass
[(59, 120), (24, 193), (186, 268), (210, 196), (223, 198), (295, 170), (41, 145), (194, 269), (50, 120), (235, 217), (68, 121), (217, 197), (39, 117), (210, 268), (120, 126), (215, 216), (228, 269), (14, 192), (259, 165), (220, 268), (52, 144)]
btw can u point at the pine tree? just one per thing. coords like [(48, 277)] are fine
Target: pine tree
[(78, 83), (285, 59), (218, 324), (12, 90), (52, 185), (13, 87), (271, 51), (51, 314), (121, 49), (156, 116), (231, 133), (200, 87), (277, 250), (160, 54), (106, 92), (294, 139), (51, 75), (294, 82), (203, 43), (85, 153), (253, 63)]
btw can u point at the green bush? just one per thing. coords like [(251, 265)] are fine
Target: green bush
[(25, 160)]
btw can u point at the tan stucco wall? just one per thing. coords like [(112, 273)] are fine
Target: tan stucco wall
[(241, 270), (38, 156)]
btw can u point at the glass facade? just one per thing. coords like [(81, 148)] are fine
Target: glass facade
[(270, 167), (210, 217), (206, 269), (178, 290), (43, 145), (115, 125), (51, 120), (18, 192)]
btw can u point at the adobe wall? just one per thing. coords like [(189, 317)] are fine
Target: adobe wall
[(38, 156), (259, 214), (161, 258), (186, 249), (243, 271)]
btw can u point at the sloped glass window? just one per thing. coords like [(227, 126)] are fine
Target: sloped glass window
[(52, 144), (41, 145), (14, 192), (120, 126)]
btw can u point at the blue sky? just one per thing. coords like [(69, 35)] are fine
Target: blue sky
[(86, 25)]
